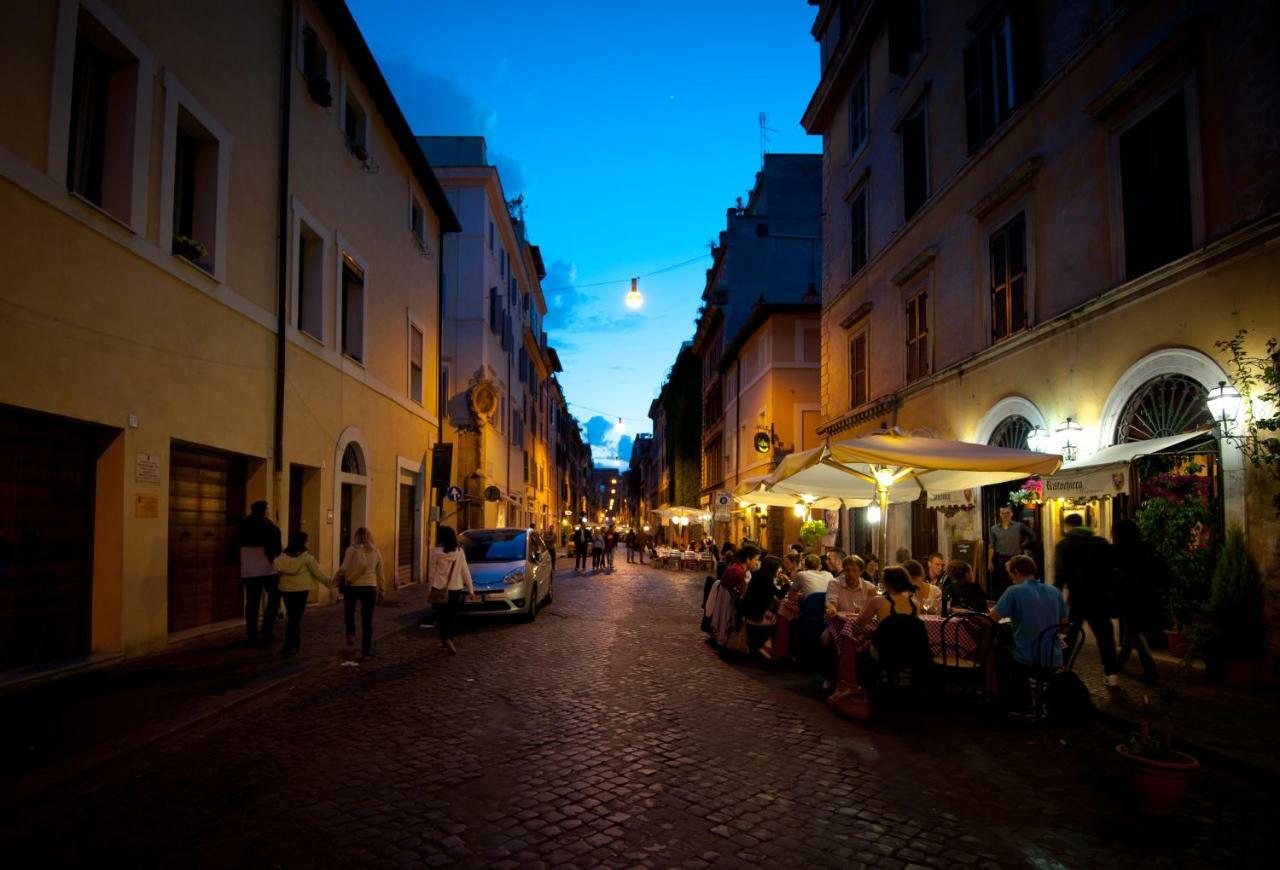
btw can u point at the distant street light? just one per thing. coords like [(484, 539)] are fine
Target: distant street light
[(633, 299)]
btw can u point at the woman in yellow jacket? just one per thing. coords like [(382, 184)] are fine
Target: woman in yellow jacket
[(299, 572), (362, 582)]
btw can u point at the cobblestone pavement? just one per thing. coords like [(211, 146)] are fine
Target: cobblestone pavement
[(610, 733)]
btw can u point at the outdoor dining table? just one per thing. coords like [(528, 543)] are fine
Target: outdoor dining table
[(851, 638)]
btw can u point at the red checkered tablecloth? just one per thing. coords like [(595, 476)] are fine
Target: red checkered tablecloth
[(788, 609)]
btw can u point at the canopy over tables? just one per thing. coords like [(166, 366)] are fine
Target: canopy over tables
[(891, 467), (754, 492)]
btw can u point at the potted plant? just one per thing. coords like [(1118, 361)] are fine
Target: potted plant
[(1159, 775), (192, 249), (1234, 638), (812, 533), (1170, 523)]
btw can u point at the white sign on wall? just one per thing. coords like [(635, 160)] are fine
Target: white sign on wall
[(146, 468)]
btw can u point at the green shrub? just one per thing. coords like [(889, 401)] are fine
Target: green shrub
[(1237, 628)]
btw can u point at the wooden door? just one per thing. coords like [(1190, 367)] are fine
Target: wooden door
[(206, 505), (47, 480), (406, 555)]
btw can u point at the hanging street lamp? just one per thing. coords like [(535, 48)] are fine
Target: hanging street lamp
[(633, 298)]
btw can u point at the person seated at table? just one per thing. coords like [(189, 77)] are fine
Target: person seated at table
[(871, 568), (812, 579), (849, 593), (790, 568), (1033, 606), (727, 556), (759, 604), (928, 596), (958, 587), (738, 572), (832, 561), (900, 641)]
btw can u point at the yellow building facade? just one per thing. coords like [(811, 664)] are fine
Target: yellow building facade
[(142, 208)]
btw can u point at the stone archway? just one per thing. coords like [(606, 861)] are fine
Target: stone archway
[(351, 481)]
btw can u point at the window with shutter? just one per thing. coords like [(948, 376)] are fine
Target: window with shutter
[(1155, 181), (858, 231), (1008, 252), (415, 364), (1001, 69), (915, 162), (858, 120), (906, 36), (858, 375), (917, 336)]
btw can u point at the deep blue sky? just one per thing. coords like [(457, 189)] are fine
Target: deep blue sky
[(629, 128)]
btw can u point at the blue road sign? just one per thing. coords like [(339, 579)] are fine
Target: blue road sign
[(453, 493)]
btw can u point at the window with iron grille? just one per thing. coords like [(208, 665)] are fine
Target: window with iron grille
[(918, 336), (1008, 252)]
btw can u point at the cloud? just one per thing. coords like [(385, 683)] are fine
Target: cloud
[(624, 448), (437, 105), (598, 429)]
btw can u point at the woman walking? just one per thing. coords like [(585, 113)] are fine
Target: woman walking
[(361, 574), (450, 575), (299, 572)]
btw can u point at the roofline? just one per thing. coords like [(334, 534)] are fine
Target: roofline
[(348, 33), (760, 314)]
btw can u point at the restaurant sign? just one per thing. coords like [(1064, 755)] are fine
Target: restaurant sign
[(1095, 482), (958, 498)]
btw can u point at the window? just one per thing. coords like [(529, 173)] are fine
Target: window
[(415, 364), (917, 336), (1155, 182), (104, 95), (417, 221), (355, 124), (858, 231), (310, 282), (811, 344), (1001, 69), (352, 309), (491, 237), (858, 386), (906, 36), (195, 191), (495, 312), (315, 67), (915, 162), (502, 263), (858, 121), (1008, 251)]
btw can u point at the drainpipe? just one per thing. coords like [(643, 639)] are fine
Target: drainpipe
[(282, 247), (441, 398)]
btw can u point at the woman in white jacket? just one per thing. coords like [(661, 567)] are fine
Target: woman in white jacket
[(299, 572), (361, 575), (449, 572)]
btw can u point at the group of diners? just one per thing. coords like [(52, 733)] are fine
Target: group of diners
[(869, 615)]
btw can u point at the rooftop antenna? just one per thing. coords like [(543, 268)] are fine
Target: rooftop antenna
[(765, 130)]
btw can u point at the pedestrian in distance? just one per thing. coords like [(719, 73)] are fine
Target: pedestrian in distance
[(361, 581), (597, 550), (299, 572), (610, 544), (256, 544), (1082, 567), (581, 544), (1136, 597), (451, 574), (631, 545)]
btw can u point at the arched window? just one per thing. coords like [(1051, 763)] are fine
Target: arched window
[(1166, 405), (1012, 432), (352, 460)]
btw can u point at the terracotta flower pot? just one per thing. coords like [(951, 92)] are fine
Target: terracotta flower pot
[(1177, 641), (1160, 784)]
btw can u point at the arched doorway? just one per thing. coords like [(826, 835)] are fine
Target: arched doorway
[(351, 484), (1012, 432)]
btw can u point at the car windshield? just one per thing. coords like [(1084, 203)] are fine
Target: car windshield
[(496, 545)]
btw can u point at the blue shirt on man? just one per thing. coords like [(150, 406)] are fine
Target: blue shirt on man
[(1033, 607)]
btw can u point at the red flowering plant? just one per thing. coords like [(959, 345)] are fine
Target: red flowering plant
[(1031, 493)]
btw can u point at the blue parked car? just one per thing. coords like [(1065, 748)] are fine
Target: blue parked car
[(511, 570)]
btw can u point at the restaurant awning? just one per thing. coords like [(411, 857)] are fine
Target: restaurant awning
[(752, 491), (1106, 473)]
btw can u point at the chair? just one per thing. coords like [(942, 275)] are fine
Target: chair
[(1055, 652), (956, 666), (810, 625), (903, 656)]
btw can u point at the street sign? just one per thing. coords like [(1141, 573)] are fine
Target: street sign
[(723, 506), (453, 493)]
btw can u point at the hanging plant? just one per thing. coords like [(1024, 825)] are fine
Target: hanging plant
[(1030, 494), (812, 533)]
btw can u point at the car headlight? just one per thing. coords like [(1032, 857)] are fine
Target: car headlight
[(513, 577)]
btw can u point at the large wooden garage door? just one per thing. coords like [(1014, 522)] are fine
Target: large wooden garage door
[(47, 469), (206, 504), (405, 567)]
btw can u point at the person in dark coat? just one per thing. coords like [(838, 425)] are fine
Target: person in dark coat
[(257, 544), (1137, 599), (759, 603), (1082, 566), (581, 543)]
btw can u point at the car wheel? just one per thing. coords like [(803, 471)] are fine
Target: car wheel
[(532, 613)]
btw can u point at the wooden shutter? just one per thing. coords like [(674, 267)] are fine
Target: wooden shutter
[(899, 38), (1026, 48), (973, 96), (858, 370)]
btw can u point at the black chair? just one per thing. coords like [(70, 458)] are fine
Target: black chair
[(902, 657), (964, 672), (1055, 652)]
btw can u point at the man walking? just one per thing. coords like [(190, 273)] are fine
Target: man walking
[(257, 543), (631, 545), (581, 544), (1082, 566), (610, 544)]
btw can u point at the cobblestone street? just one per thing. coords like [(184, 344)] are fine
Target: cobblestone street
[(609, 732)]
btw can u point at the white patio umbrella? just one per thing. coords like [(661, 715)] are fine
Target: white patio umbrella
[(891, 467), (756, 493)]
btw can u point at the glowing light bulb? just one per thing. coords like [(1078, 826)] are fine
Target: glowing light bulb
[(633, 298), (873, 513)]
